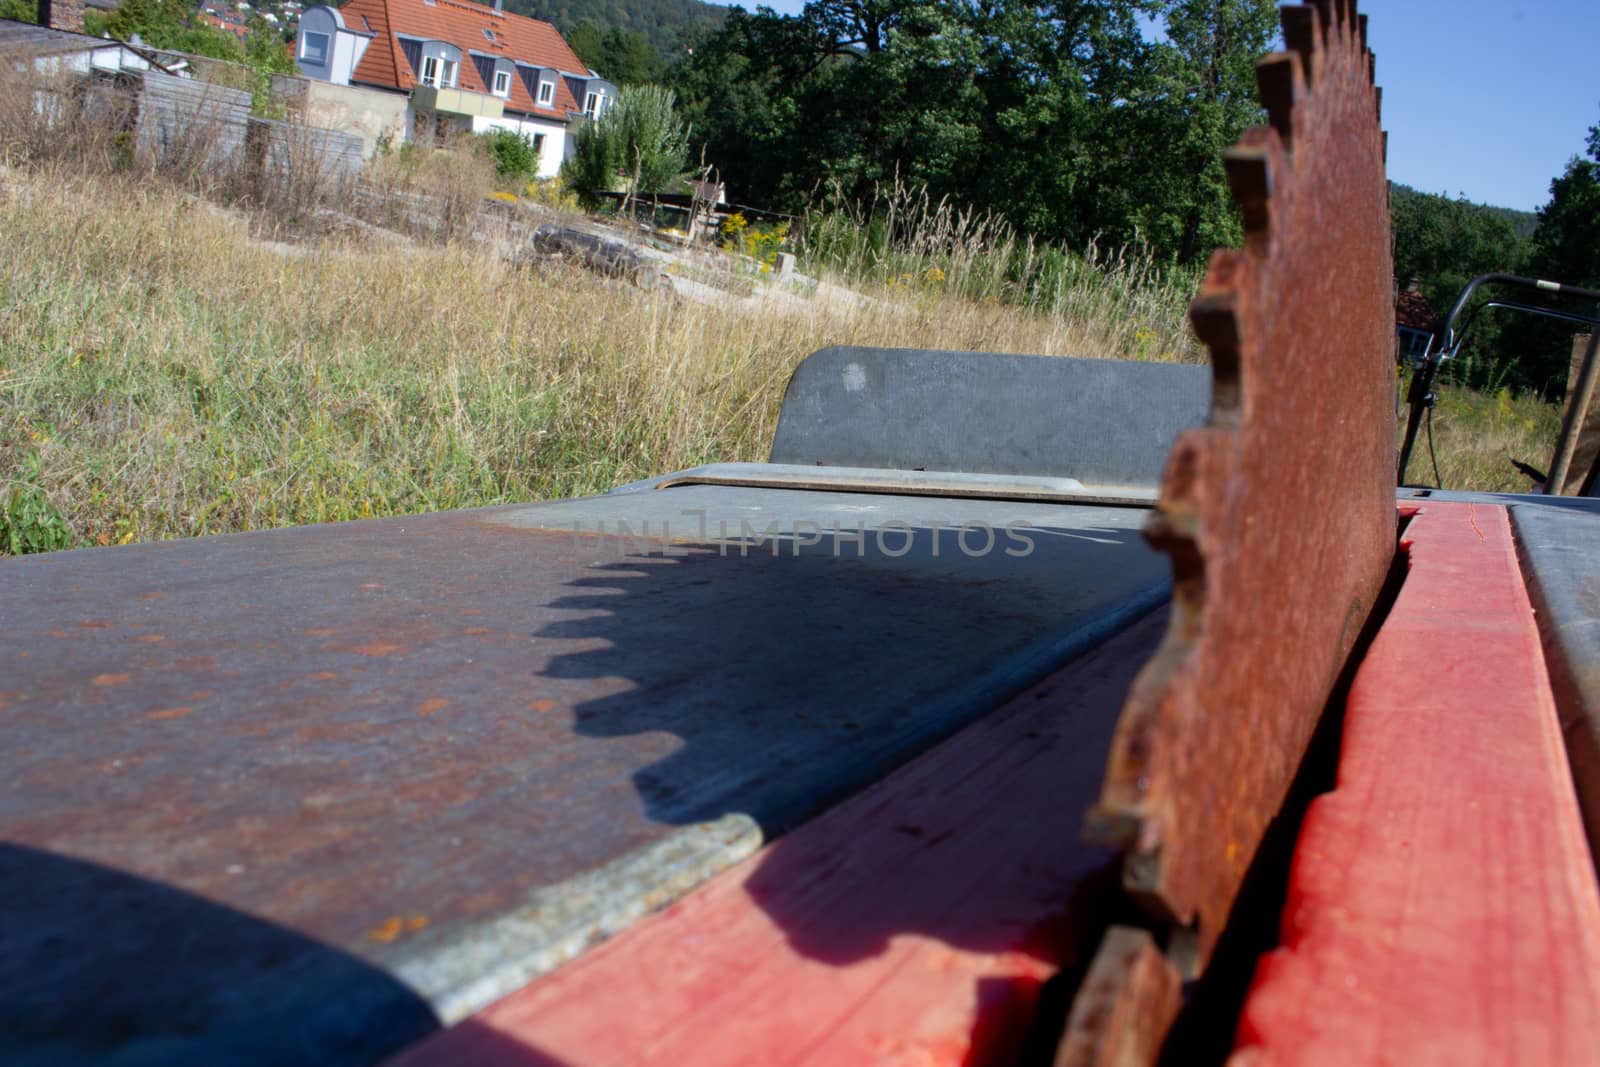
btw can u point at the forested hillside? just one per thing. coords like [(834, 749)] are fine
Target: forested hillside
[(1443, 243), (664, 25)]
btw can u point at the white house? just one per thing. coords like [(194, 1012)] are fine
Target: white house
[(468, 66)]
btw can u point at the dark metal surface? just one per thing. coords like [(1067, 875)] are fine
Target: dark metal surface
[(1559, 549), (390, 770), (1100, 421), (1279, 515)]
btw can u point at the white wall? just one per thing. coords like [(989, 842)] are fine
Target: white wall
[(551, 152)]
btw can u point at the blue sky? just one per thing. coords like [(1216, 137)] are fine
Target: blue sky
[(1486, 98)]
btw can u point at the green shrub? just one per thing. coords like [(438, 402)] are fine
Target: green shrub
[(28, 522), (637, 144), (514, 155)]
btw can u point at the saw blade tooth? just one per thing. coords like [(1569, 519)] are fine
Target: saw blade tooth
[(1361, 29), (1214, 313), (1281, 81), (1329, 12), (1300, 33), (1249, 166), (1302, 312)]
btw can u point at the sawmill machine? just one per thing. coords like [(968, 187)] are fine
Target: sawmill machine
[(1020, 709)]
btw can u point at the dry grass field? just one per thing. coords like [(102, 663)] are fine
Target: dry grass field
[(177, 361), (169, 369)]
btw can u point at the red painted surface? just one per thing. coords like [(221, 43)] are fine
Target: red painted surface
[(912, 924), (1442, 906)]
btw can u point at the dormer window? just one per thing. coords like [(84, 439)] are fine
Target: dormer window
[(502, 83), (314, 48), (547, 94), (436, 62), (592, 103)]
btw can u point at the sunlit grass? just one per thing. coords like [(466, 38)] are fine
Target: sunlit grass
[(1476, 435), (165, 371)]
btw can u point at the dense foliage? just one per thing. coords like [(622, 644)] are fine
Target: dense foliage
[(665, 25), (172, 24), (624, 56), (1443, 243), (1440, 244), (1064, 117), (637, 145), (513, 154), (1565, 248)]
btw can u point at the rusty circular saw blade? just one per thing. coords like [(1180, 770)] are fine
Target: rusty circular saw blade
[(1279, 513)]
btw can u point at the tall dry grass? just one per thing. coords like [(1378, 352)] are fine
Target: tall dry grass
[(1477, 435), (903, 240), (165, 372)]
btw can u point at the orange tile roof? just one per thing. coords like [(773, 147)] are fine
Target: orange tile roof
[(516, 37)]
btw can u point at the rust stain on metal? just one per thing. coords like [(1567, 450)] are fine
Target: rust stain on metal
[(1279, 513), (152, 639), (395, 925), (170, 713), (104, 680), (376, 649), (431, 705)]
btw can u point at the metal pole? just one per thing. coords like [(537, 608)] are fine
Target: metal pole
[(1418, 397)]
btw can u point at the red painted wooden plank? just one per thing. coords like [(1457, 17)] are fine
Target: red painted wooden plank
[(912, 924), (1442, 905)]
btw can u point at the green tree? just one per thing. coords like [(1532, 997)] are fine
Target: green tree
[(742, 89), (665, 25), (514, 155), (1057, 114), (169, 24), (637, 144), (623, 56), (1201, 96), (1565, 248), (1566, 244), (20, 10), (1443, 243)]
